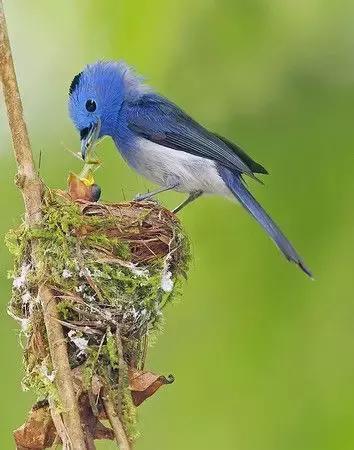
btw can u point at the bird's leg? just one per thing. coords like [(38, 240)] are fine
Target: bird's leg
[(192, 196), (148, 195)]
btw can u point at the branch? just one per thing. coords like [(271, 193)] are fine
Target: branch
[(116, 424), (30, 185), (123, 371)]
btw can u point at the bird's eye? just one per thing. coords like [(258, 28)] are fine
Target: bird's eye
[(90, 105)]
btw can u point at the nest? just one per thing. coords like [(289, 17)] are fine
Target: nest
[(113, 268)]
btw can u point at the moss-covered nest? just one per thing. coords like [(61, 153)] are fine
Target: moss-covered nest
[(110, 266)]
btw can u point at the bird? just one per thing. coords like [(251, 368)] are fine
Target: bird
[(164, 144)]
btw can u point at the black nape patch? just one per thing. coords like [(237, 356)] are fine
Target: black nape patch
[(74, 83)]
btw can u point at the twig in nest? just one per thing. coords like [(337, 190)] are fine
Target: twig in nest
[(116, 424), (59, 426), (123, 379)]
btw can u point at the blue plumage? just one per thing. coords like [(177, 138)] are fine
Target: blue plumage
[(161, 142), (237, 187)]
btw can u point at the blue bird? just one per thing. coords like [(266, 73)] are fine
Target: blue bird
[(162, 143)]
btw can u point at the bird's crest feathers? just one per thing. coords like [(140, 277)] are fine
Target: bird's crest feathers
[(106, 71)]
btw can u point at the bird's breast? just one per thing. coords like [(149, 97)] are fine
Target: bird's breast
[(165, 166)]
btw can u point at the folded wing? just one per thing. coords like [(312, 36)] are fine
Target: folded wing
[(162, 122)]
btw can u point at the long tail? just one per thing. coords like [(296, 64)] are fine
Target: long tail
[(235, 184)]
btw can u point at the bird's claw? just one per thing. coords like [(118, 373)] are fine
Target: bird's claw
[(145, 197), (139, 198)]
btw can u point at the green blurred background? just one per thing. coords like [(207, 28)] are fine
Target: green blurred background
[(263, 357)]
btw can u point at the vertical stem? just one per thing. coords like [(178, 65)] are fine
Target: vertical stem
[(123, 380), (61, 365), (30, 185), (27, 178), (117, 426)]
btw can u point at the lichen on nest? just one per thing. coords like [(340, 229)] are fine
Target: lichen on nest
[(110, 266)]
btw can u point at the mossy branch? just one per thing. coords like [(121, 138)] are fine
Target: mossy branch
[(30, 185)]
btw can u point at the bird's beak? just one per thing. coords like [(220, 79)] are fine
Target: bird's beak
[(88, 137)]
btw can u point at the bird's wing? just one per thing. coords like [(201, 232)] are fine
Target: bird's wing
[(251, 163), (162, 122)]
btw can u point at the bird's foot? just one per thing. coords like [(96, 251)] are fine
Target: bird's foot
[(192, 196), (145, 197)]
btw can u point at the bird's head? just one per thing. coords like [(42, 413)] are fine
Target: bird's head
[(95, 98)]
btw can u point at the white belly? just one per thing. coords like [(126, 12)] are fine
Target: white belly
[(165, 167)]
